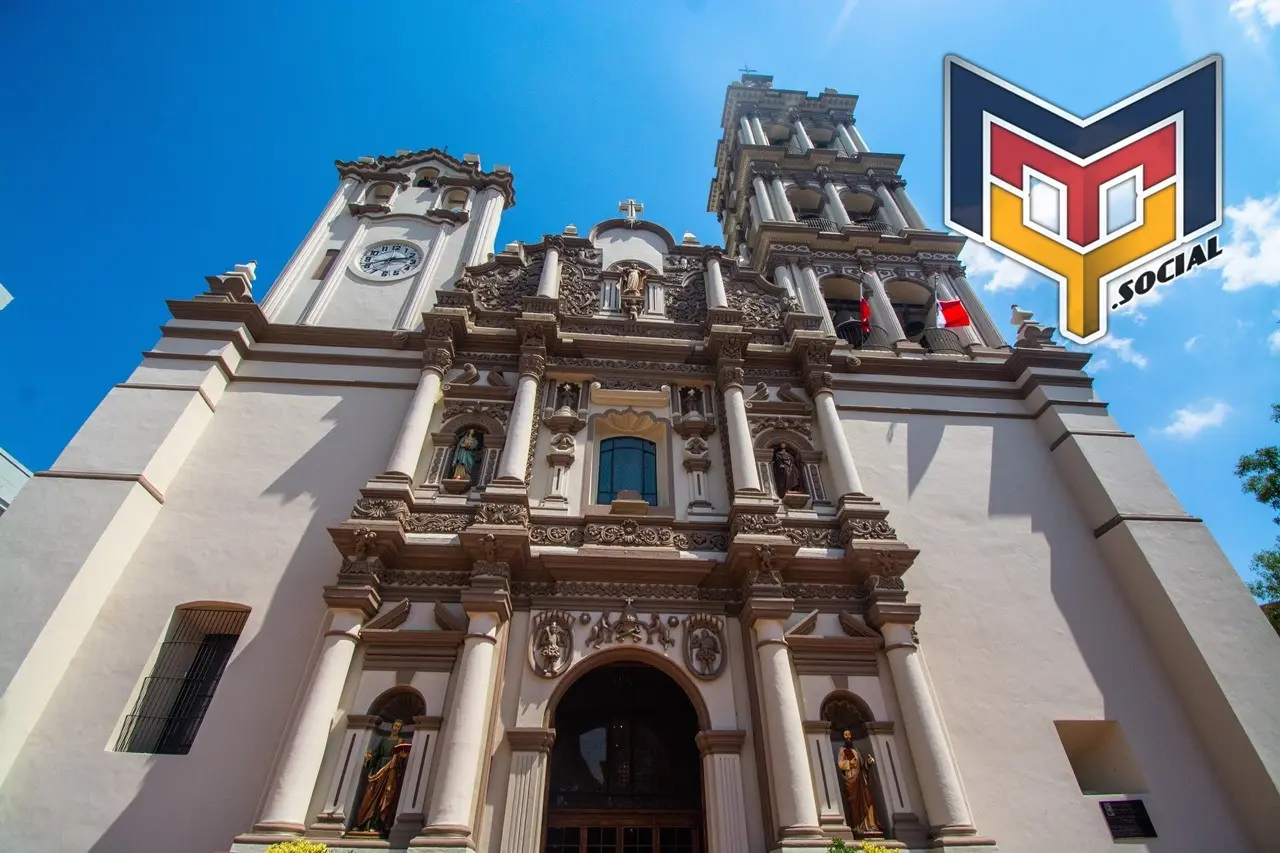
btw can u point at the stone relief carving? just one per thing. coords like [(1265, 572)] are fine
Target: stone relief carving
[(380, 508), (813, 537), (628, 532), (579, 295), (551, 643), (760, 309), (437, 522), (629, 627), (620, 383), (704, 646), (757, 523), (505, 514), (687, 301), (601, 589), (549, 534), (866, 528), (799, 425), (500, 289), (500, 413)]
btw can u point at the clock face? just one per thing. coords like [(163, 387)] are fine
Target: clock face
[(390, 260)]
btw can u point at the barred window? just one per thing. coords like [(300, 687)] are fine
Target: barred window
[(176, 694)]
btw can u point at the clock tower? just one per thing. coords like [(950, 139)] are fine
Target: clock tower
[(395, 231)]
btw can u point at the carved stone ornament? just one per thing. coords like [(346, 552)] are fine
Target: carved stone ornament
[(866, 528), (686, 302), (629, 627), (579, 294), (628, 532), (437, 522), (551, 643), (364, 538), (437, 329), (757, 523), (438, 359), (532, 364), (730, 376), (704, 646), (760, 308), (731, 350), (490, 566), (498, 412), (503, 513), (799, 425), (817, 381), (380, 508), (499, 289), (629, 383)]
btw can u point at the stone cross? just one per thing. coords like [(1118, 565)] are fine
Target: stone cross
[(629, 600), (630, 207)]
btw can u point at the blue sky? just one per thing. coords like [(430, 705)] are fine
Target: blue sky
[(150, 145)]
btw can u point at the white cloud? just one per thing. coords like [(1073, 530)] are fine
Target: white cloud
[(1191, 342), (1123, 348), (1252, 256), (1255, 14), (1004, 274), (842, 21), (1273, 342), (1097, 364), (1190, 421)]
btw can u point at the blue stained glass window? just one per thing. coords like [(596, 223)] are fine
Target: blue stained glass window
[(628, 463)]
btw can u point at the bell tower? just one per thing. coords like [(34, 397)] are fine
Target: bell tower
[(804, 199), (395, 231)]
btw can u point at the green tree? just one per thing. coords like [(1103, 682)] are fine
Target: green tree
[(1259, 473)]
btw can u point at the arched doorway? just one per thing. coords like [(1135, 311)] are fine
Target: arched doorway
[(625, 772)]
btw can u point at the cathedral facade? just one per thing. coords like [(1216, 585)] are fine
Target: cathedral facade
[(615, 541)]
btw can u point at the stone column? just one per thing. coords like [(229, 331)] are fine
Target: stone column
[(858, 140), (890, 208), (826, 777), (834, 441), (781, 204), (748, 136), (465, 736), (549, 283), (289, 795), (407, 450), (986, 327), (838, 213), (782, 276), (802, 136), (741, 453), (850, 144), (762, 138), (716, 296), (723, 800), (936, 770), (526, 790), (897, 797), (790, 777), (762, 199), (882, 313), (515, 453), (306, 256), (909, 212), (813, 292), (942, 291)]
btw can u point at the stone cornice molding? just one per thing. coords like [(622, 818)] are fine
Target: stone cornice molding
[(382, 168), (713, 742), (531, 739), (363, 598)]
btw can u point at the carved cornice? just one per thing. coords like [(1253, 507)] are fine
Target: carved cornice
[(639, 591), (384, 168), (531, 740), (717, 742)]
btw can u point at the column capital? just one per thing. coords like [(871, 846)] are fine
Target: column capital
[(730, 376), (553, 241), (817, 727), (531, 739), (437, 359), (491, 596), (533, 364), (767, 607), (818, 382), (363, 598), (719, 742)]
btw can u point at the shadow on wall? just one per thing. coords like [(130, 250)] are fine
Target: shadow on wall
[(1135, 692), (198, 802)]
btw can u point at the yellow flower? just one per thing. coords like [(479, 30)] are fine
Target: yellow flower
[(298, 847)]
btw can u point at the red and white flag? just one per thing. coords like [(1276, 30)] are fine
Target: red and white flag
[(951, 313)]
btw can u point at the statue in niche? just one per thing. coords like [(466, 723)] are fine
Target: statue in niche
[(632, 280), (552, 649), (567, 396), (384, 768), (786, 471), (691, 401), (465, 454), (854, 770)]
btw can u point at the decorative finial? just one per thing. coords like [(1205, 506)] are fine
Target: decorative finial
[(1020, 317), (631, 207)]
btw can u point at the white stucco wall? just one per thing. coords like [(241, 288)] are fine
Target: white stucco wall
[(243, 521), (1023, 625)]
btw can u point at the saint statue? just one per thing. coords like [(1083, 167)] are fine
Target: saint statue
[(786, 471), (854, 772), (552, 648), (464, 455), (690, 401), (632, 280), (384, 769), (567, 396)]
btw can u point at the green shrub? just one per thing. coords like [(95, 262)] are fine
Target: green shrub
[(298, 847)]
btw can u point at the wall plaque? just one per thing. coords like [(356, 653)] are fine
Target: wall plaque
[(1127, 819)]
